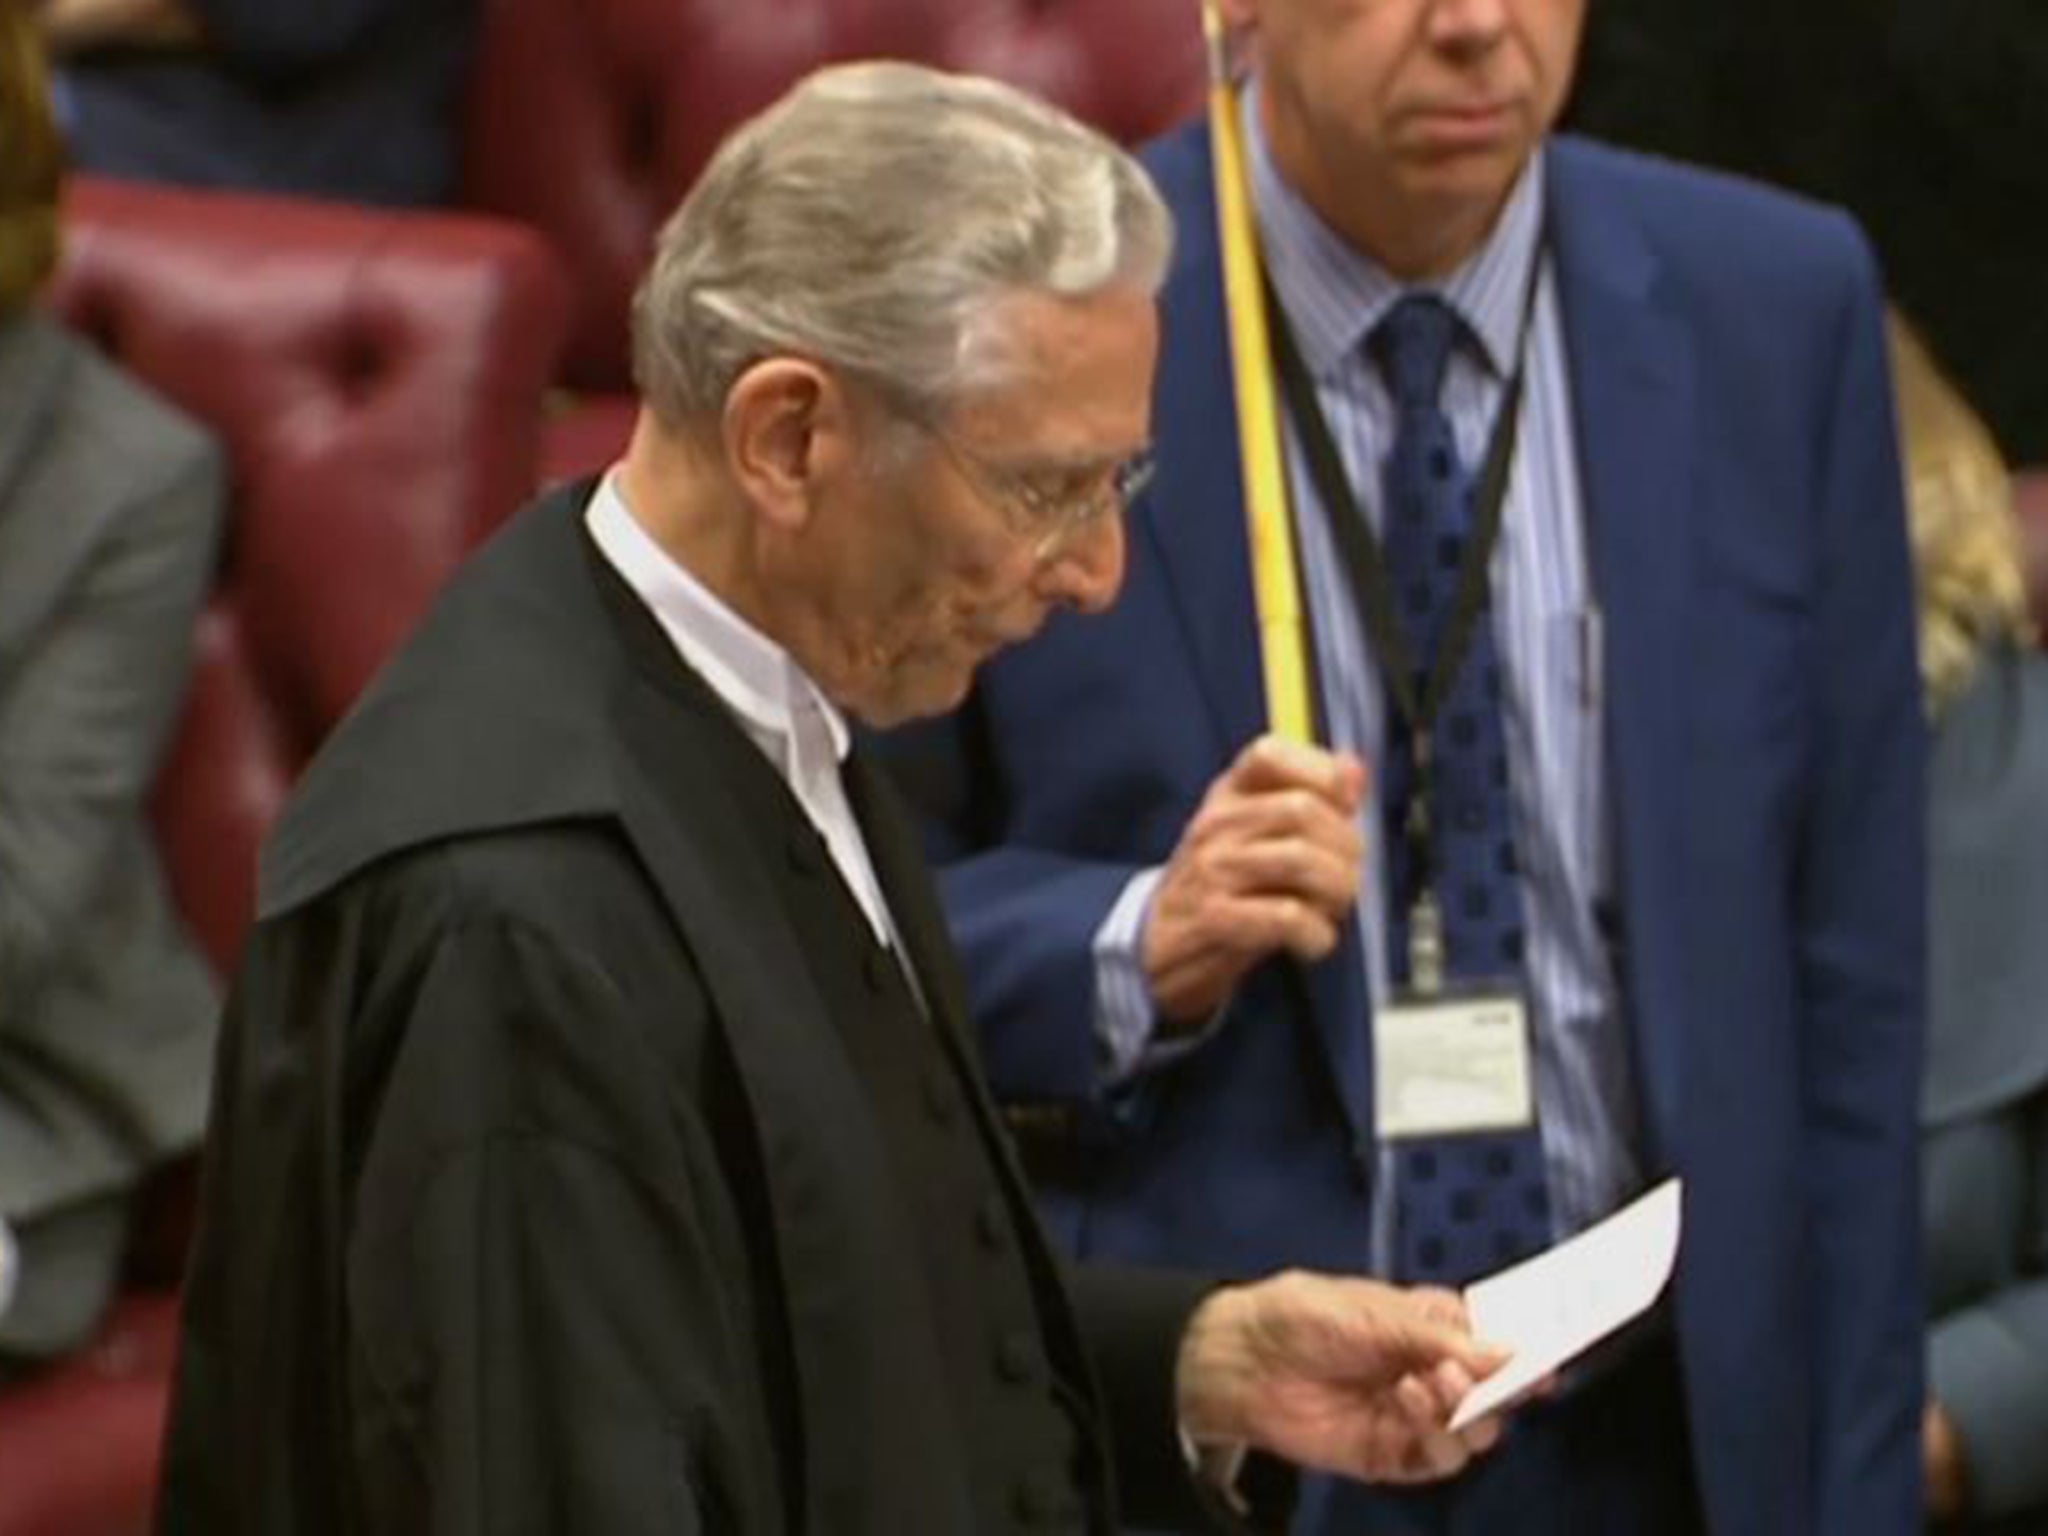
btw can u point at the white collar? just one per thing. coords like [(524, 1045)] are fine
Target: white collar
[(756, 677)]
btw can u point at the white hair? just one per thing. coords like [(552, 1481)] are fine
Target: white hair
[(870, 219)]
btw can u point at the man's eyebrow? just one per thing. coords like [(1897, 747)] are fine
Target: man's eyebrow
[(1095, 463)]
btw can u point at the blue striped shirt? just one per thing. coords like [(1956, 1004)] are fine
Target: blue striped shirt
[(1546, 628)]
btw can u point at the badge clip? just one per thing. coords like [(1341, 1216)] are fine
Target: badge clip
[(1426, 946)]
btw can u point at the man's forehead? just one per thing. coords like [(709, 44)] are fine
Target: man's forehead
[(1074, 374), (1023, 330)]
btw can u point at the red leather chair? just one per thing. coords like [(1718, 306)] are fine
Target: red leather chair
[(590, 118), (2030, 500), (377, 380)]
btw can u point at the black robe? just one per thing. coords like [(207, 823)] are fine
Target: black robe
[(539, 1194)]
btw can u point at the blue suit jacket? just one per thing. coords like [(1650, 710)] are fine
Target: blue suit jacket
[(1765, 759)]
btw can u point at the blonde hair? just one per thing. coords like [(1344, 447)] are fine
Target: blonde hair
[(870, 219), (1965, 540), (31, 159)]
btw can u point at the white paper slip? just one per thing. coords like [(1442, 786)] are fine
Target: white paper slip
[(1550, 1309)]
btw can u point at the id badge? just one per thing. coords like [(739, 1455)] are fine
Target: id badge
[(1451, 1064)]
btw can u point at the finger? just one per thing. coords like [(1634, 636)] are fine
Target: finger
[(1377, 1333), (1482, 1435), (1418, 1404), (1296, 867), (1232, 933), (1451, 1383), (1197, 944), (1414, 1431), (1420, 1344), (1273, 923), (1445, 1308), (1236, 819), (1283, 844), (1357, 779), (1451, 1340), (1443, 1388), (1438, 1454), (1482, 1357), (1273, 762)]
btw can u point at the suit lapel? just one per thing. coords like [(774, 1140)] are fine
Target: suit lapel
[(913, 903), (1632, 379), (849, 1263), (907, 888), (846, 1257), (1192, 522)]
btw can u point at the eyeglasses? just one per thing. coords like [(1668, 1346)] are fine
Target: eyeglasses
[(1046, 508)]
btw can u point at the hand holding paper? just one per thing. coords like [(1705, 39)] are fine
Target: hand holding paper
[(1550, 1309)]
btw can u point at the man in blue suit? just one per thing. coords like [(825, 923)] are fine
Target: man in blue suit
[(1647, 784)]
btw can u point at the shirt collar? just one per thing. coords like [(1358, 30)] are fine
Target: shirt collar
[(1334, 294), (756, 677)]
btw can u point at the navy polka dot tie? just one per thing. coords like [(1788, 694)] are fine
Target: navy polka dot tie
[(1466, 1204)]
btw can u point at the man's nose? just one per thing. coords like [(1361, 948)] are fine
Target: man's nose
[(1466, 25), (1086, 568)]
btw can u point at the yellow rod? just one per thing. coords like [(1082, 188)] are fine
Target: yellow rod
[(1283, 633)]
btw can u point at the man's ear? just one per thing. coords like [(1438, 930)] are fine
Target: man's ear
[(788, 427)]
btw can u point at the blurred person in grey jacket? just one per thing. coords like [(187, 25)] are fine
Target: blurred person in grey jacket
[(110, 505), (1986, 1096)]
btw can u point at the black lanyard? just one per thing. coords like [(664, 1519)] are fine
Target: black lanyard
[(1366, 566)]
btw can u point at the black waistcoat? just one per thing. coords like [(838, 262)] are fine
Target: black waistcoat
[(1017, 1417)]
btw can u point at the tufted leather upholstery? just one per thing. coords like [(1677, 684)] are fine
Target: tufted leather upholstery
[(79, 1447), (377, 380), (590, 118)]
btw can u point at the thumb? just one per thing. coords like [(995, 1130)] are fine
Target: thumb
[(1353, 779), (1420, 1342)]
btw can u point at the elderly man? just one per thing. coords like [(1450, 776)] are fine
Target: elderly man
[(1602, 546), (598, 1145)]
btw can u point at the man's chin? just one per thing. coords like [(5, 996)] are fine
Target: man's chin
[(918, 696)]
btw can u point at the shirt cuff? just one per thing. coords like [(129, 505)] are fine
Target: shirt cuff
[(1217, 1464), (1124, 1016), (1125, 1019)]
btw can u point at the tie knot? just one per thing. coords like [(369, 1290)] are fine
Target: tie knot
[(1412, 344)]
